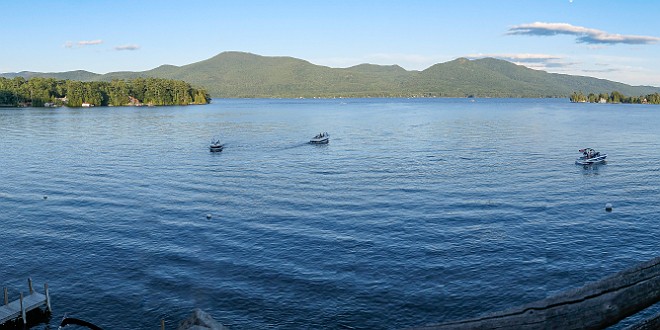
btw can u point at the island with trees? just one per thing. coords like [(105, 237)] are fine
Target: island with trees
[(40, 92), (614, 97)]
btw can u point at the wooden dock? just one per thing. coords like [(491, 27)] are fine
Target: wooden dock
[(18, 308)]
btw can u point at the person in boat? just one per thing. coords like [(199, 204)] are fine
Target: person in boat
[(588, 153)]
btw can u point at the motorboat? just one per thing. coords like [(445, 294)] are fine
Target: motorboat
[(590, 156), (216, 146), (321, 138)]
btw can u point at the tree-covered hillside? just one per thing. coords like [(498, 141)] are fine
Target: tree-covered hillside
[(245, 75)]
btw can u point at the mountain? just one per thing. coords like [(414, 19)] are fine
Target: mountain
[(245, 75), (71, 75)]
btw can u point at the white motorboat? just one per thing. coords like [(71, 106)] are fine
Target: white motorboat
[(216, 146), (590, 156), (321, 138)]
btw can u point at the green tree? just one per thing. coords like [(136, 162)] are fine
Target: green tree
[(75, 92), (592, 98), (616, 97), (38, 91), (578, 97)]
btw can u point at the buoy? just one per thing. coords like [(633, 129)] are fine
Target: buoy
[(208, 216), (608, 207), (45, 197)]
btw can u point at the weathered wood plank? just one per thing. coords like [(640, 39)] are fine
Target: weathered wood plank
[(594, 306), (13, 309)]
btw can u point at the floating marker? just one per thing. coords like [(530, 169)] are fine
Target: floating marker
[(45, 197), (208, 216), (608, 207)]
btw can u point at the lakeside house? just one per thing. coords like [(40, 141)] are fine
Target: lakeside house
[(134, 102)]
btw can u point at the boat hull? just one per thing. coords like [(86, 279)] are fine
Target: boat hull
[(590, 161), (319, 141), (216, 148)]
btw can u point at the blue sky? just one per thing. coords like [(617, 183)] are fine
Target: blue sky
[(615, 40)]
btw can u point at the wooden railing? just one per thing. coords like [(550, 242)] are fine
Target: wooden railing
[(596, 305)]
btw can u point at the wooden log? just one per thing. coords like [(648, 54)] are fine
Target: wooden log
[(596, 305)]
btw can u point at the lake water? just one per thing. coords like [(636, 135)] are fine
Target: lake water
[(418, 211)]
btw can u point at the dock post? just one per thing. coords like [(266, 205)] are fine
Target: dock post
[(47, 298), (30, 285), (23, 310), (162, 324), (6, 297)]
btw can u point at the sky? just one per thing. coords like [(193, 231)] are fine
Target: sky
[(614, 40)]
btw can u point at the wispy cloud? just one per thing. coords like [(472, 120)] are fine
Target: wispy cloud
[(600, 70), (407, 61), (90, 42), (400, 58), (536, 61), (524, 57), (82, 43), (127, 47), (584, 35)]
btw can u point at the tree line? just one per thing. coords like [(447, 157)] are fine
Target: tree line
[(39, 92), (615, 97)]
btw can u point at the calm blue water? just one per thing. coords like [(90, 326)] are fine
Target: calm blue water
[(417, 212)]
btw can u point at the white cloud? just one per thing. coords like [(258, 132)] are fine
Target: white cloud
[(127, 47), (584, 35), (534, 61), (82, 43), (90, 42), (522, 57)]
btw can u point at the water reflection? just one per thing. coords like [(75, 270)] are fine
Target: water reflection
[(592, 169)]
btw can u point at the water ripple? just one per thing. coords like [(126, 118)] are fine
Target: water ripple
[(418, 211)]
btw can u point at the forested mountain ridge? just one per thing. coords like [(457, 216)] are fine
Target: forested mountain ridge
[(245, 75), (79, 75)]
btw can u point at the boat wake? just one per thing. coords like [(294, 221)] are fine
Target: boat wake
[(298, 145)]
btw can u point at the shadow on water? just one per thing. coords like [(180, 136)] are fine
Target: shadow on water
[(434, 158), (35, 317), (592, 169)]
